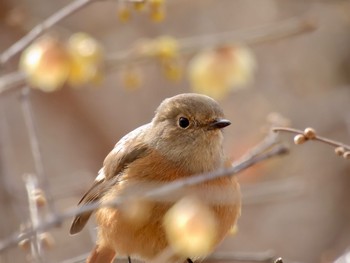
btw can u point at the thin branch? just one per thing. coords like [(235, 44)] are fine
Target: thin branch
[(270, 140), (31, 185), (42, 27), (11, 80), (35, 147), (263, 257), (314, 137), (252, 36), (39, 29), (56, 220)]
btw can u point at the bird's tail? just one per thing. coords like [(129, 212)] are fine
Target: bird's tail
[(101, 255)]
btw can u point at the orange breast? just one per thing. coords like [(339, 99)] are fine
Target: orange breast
[(148, 238)]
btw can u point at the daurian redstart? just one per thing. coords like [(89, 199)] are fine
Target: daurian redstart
[(184, 138)]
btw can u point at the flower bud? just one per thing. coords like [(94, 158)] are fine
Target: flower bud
[(310, 133), (339, 151), (47, 241), (346, 155), (299, 139)]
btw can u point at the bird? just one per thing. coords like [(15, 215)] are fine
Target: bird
[(184, 138)]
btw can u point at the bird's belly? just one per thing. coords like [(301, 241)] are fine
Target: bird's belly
[(147, 239)]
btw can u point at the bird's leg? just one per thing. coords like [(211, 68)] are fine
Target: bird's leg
[(129, 259), (189, 260)]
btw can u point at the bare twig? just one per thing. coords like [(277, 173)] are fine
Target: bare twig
[(270, 140), (160, 191), (341, 149), (11, 80), (31, 185), (35, 148), (42, 27), (39, 29), (251, 36)]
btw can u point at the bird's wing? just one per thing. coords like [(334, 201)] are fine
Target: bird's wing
[(127, 150)]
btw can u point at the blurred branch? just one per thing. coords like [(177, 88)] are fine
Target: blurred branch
[(57, 219), (39, 29), (264, 257), (31, 185), (270, 140), (10, 81), (341, 149), (252, 36), (35, 147)]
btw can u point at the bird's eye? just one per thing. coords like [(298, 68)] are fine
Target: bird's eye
[(184, 122)]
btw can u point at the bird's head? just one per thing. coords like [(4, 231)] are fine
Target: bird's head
[(188, 128)]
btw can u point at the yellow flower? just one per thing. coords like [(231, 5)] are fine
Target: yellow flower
[(191, 228), (46, 64), (216, 72)]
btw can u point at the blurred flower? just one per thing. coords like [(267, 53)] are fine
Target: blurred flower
[(157, 10), (86, 59), (172, 70), (46, 63), (123, 12), (166, 50), (39, 198), (47, 241), (131, 78), (191, 228), (166, 47), (136, 211), (163, 47), (139, 6), (216, 72), (234, 230)]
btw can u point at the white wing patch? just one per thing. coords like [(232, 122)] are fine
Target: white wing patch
[(120, 146), (101, 175)]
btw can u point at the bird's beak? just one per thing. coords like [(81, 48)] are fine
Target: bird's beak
[(219, 124)]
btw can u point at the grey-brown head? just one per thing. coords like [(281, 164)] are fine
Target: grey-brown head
[(187, 129)]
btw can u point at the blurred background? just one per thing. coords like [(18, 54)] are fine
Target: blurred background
[(296, 206)]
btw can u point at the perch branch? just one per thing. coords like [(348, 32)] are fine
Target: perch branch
[(57, 219)]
